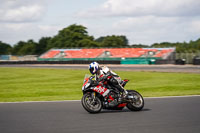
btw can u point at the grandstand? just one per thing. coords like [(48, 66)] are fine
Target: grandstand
[(125, 55)]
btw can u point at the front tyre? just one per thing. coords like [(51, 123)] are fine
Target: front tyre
[(90, 103), (137, 102)]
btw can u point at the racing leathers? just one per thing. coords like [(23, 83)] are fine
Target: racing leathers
[(105, 74)]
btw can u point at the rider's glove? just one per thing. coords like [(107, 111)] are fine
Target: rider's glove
[(107, 76)]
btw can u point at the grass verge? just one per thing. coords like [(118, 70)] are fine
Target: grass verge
[(44, 84)]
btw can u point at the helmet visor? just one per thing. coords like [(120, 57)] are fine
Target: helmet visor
[(92, 70)]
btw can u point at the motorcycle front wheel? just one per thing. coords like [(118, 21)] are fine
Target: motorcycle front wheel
[(91, 103), (137, 102)]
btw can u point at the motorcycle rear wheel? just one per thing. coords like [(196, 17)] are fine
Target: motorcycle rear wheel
[(90, 104), (137, 102)]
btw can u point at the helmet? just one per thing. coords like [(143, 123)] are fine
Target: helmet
[(93, 67)]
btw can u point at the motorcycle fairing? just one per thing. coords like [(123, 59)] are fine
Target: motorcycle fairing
[(102, 90)]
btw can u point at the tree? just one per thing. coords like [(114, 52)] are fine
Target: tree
[(184, 47), (24, 48), (88, 43), (5, 48), (139, 46), (41, 46), (113, 41), (125, 40), (28, 48), (17, 47), (72, 36), (100, 39)]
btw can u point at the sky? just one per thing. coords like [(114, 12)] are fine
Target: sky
[(141, 21)]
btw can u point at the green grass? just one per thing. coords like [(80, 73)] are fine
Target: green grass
[(42, 84)]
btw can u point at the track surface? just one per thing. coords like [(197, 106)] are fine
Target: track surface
[(157, 68), (160, 115)]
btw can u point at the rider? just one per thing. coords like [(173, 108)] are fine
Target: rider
[(104, 73)]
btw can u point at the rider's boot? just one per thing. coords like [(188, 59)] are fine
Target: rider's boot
[(123, 92)]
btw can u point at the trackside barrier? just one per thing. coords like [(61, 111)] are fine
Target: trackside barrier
[(161, 61), (58, 62), (101, 61), (148, 60), (4, 57)]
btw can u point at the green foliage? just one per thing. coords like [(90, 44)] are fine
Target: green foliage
[(4, 48), (41, 46), (100, 39), (76, 36), (87, 43), (24, 48), (17, 47), (72, 36), (139, 46), (112, 41), (44, 84), (191, 47)]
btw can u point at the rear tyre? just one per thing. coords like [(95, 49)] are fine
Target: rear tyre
[(137, 102), (90, 104)]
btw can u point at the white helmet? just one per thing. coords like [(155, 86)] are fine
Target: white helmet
[(93, 67)]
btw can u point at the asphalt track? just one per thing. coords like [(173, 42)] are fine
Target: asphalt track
[(160, 115), (154, 68)]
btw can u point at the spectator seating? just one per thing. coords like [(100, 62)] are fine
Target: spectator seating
[(109, 52), (50, 54)]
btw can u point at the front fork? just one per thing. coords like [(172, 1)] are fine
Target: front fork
[(93, 96)]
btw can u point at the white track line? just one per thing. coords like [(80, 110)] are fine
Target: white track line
[(80, 100)]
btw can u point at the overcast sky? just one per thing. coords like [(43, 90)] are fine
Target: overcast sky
[(142, 21)]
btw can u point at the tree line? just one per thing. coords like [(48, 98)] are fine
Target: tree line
[(76, 36)]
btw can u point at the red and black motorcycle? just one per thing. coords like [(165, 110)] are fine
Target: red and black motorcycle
[(97, 96)]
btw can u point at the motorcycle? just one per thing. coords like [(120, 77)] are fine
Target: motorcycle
[(98, 96)]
